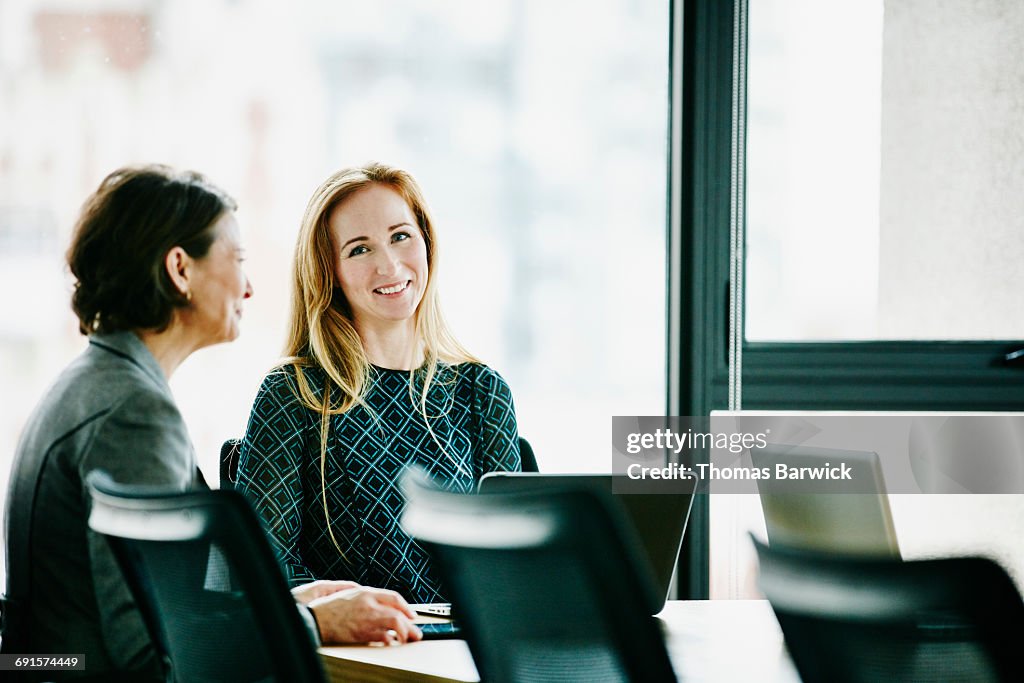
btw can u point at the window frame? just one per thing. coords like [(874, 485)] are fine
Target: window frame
[(835, 375)]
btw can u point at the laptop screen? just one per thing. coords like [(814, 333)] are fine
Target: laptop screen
[(853, 523), (659, 520)]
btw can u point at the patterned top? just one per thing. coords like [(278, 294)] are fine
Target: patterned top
[(471, 415)]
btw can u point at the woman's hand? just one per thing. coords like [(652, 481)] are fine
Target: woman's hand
[(363, 615)]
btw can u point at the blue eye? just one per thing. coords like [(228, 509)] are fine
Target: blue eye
[(400, 236), (356, 251)]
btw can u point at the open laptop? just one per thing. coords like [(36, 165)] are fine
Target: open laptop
[(810, 516), (658, 519)]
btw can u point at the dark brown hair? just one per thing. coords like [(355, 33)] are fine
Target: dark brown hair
[(122, 237)]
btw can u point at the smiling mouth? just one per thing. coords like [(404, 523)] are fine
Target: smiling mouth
[(393, 289)]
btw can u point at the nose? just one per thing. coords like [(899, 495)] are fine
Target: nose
[(248, 289), (387, 262)]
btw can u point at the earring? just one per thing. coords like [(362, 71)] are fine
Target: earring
[(188, 296)]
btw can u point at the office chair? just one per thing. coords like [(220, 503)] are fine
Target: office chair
[(547, 585), (526, 456), (862, 619), (229, 452), (230, 448), (207, 583)]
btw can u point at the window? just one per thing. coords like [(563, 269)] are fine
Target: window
[(879, 148), (907, 306)]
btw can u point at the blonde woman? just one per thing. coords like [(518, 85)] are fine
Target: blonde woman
[(373, 381)]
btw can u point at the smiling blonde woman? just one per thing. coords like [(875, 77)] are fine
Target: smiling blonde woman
[(373, 381)]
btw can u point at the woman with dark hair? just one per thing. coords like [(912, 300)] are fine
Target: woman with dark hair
[(373, 381), (157, 260)]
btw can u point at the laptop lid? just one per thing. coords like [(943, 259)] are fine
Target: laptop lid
[(821, 519), (658, 519)]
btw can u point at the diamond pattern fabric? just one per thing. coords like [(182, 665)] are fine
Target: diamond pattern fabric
[(472, 418)]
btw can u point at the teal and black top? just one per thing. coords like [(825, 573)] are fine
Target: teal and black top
[(472, 417)]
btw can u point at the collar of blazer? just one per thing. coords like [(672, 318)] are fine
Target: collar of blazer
[(128, 345)]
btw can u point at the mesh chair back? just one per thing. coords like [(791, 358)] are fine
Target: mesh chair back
[(546, 585), (207, 583), (860, 619)]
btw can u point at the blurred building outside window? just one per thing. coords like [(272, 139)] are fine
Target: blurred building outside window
[(537, 130)]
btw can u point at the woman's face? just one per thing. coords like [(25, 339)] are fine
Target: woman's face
[(380, 256), (219, 286)]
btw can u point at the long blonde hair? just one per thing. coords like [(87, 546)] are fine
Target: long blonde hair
[(321, 331)]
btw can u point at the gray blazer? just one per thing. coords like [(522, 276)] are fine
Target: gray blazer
[(111, 409)]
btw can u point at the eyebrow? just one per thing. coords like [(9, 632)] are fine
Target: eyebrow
[(363, 237)]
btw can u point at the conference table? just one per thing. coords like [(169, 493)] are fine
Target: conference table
[(708, 640)]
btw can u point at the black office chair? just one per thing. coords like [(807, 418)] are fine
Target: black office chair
[(230, 448), (547, 585), (526, 456), (207, 583), (229, 452), (859, 619)]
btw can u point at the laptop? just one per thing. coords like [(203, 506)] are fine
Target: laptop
[(813, 515), (658, 519)]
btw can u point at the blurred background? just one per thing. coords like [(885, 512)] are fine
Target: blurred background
[(537, 131)]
